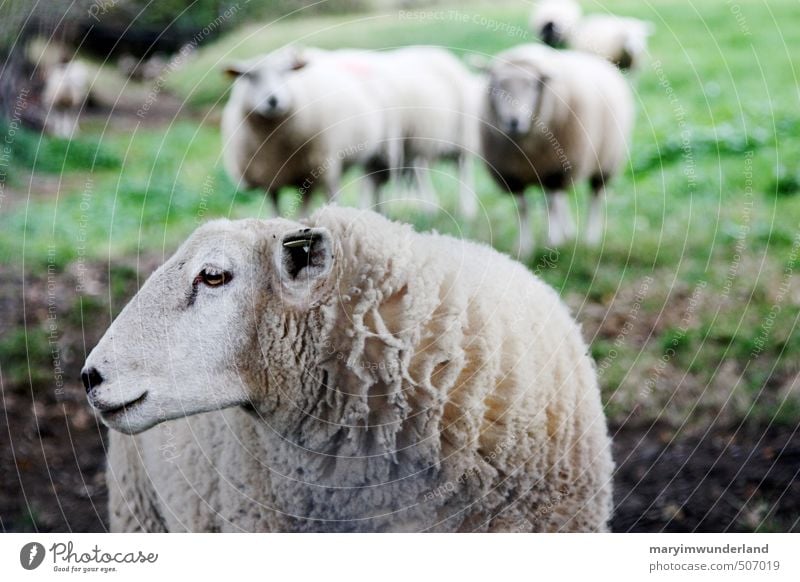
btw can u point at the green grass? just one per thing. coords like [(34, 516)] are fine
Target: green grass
[(731, 95), (27, 357), (40, 153)]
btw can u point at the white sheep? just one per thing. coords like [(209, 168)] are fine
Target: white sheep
[(621, 40), (553, 20), (554, 118), (65, 91), (296, 122), (141, 69), (436, 101), (348, 374), (421, 104)]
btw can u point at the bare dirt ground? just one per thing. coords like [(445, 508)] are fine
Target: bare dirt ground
[(52, 447)]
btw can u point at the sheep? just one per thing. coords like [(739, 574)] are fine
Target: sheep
[(141, 69), (65, 91), (345, 373), (291, 121), (436, 100), (553, 118), (423, 103), (620, 40), (553, 20)]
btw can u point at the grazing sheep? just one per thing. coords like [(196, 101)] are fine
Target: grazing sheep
[(554, 118), (620, 40), (348, 374), (65, 91), (294, 122), (552, 20)]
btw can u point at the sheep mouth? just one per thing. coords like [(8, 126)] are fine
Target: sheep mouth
[(267, 116), (118, 410)]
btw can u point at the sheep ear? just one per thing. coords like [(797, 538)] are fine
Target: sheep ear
[(304, 262), (299, 58), (235, 69)]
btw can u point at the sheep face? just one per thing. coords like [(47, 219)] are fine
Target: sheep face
[(552, 34), (515, 94), (188, 342), (553, 20), (636, 40), (261, 88)]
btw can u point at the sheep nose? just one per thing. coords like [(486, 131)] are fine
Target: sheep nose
[(272, 101), (549, 34), (91, 378)]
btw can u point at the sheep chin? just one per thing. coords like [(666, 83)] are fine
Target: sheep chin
[(131, 421)]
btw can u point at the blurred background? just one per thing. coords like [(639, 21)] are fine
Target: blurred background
[(690, 305)]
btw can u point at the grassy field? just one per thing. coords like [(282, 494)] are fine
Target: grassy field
[(691, 304)]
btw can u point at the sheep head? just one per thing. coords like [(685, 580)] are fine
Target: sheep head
[(261, 86), (553, 20), (516, 93), (189, 341)]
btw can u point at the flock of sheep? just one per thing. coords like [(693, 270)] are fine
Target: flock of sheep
[(361, 376), (536, 115)]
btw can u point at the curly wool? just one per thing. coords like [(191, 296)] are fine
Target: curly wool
[(439, 387)]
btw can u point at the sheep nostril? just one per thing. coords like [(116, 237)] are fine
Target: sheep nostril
[(272, 101), (91, 378), (513, 125)]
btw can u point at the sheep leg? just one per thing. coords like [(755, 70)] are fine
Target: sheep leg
[(378, 181), (333, 180), (66, 126), (467, 195), (395, 158), (369, 192), (377, 172), (272, 197), (57, 124), (595, 218), (567, 222), (560, 226), (72, 124), (425, 189), (525, 243)]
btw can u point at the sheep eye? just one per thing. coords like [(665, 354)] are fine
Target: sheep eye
[(214, 278)]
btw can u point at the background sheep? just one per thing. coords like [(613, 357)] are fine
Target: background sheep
[(142, 69), (436, 101), (65, 92), (421, 103), (621, 40), (553, 118), (553, 20), (372, 378), (291, 122), (103, 210)]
